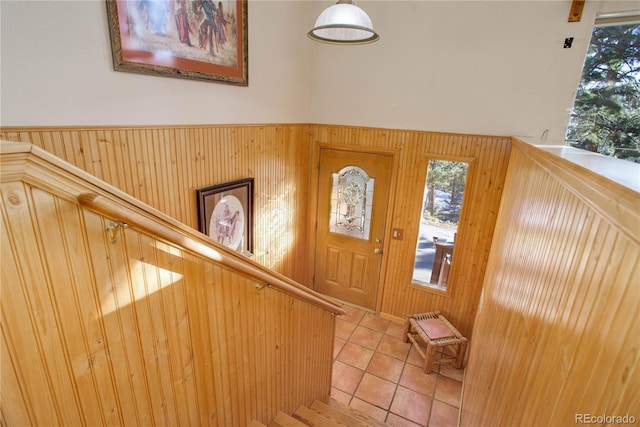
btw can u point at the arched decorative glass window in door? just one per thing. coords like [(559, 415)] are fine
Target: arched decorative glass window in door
[(351, 201)]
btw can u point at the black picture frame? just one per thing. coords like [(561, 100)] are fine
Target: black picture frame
[(221, 210)]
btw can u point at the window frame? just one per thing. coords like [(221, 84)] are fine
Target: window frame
[(602, 19), (462, 223)]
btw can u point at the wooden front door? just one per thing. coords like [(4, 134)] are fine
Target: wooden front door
[(353, 195)]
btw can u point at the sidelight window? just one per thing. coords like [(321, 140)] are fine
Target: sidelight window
[(439, 218)]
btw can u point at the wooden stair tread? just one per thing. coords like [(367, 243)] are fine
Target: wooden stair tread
[(336, 415), (255, 423), (313, 418), (284, 420), (331, 414), (357, 415)]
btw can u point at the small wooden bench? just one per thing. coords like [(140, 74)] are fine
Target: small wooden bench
[(433, 331)]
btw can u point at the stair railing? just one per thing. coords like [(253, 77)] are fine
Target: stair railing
[(106, 207), (112, 202)]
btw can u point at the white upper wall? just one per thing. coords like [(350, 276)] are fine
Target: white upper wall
[(57, 70), (487, 67)]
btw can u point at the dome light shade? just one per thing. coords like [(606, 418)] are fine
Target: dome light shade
[(344, 23)]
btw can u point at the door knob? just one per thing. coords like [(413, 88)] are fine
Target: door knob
[(377, 251)]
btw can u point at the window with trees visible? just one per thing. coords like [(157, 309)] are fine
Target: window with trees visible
[(606, 114), (440, 215)]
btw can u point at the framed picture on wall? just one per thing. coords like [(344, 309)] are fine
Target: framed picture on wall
[(191, 39), (225, 214)]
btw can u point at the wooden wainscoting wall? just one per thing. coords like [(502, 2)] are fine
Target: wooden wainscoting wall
[(138, 331), (163, 166), (413, 150), (556, 336)]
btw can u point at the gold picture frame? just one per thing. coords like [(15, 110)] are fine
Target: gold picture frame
[(190, 39)]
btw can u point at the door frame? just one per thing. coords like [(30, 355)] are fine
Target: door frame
[(313, 208)]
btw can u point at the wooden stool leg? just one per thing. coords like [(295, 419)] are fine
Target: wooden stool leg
[(462, 349), (407, 329), (429, 357)]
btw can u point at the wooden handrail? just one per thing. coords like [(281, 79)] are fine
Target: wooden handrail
[(220, 254)]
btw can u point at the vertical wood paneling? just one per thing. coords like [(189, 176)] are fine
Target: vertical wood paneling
[(39, 309), (556, 332), (489, 159), (164, 166), (139, 250), (47, 208), (12, 395), (141, 332), (29, 396)]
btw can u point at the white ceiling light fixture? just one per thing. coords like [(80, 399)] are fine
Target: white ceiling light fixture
[(344, 23)]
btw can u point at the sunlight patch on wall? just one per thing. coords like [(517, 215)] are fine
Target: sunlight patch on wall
[(276, 227), (135, 282)]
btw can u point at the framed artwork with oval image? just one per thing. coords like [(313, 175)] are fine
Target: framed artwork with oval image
[(225, 214)]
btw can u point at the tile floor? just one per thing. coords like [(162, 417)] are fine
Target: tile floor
[(376, 372)]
